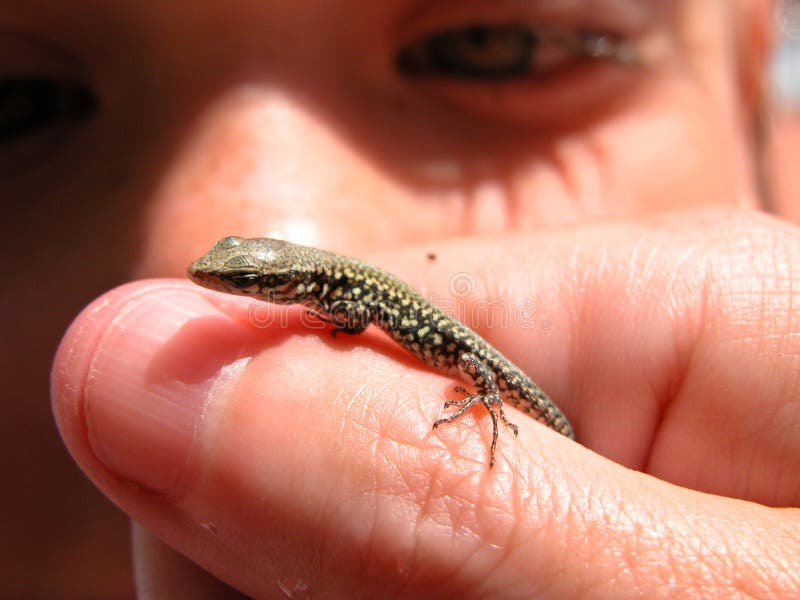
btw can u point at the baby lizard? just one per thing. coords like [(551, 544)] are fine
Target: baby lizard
[(350, 294)]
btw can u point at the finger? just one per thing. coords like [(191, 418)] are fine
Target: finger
[(163, 573), (671, 344), (321, 473)]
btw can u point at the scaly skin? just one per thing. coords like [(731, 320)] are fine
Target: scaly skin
[(350, 294)]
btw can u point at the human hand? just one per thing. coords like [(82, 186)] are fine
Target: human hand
[(285, 461), (129, 143)]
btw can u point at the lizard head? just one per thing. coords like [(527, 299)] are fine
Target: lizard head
[(261, 267)]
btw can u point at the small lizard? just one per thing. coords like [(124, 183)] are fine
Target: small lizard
[(350, 294)]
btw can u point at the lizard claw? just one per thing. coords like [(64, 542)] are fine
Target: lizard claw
[(488, 395)]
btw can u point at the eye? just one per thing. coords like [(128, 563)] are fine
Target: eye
[(474, 51), (31, 105), (229, 242), (506, 51), (242, 279)]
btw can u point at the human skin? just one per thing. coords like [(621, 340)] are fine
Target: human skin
[(274, 119), (785, 145)]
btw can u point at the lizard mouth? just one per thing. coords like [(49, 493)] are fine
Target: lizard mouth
[(199, 273)]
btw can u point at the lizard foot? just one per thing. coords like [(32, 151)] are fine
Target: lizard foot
[(488, 395)]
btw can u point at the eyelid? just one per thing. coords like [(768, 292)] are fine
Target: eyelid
[(625, 18), (418, 58), (580, 91)]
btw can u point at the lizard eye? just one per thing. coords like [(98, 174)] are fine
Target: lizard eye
[(241, 279), (229, 242)]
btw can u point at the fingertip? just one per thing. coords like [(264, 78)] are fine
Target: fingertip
[(130, 380), (73, 359)]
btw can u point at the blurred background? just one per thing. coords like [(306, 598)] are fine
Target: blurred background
[(784, 122)]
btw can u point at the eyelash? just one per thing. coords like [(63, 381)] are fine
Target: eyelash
[(507, 51), (30, 104)]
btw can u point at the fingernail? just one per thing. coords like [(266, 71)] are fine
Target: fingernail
[(147, 386)]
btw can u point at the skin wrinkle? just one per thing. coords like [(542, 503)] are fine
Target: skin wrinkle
[(679, 381), (418, 567), (634, 554), (563, 173), (373, 548), (385, 514), (518, 203), (585, 178), (497, 506), (530, 493), (356, 404), (456, 513), (740, 562), (649, 275), (712, 558), (175, 229), (427, 513), (736, 562), (763, 287), (602, 176), (664, 547), (783, 311), (791, 279), (586, 525), (755, 568)]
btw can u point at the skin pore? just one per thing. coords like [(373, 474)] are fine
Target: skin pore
[(579, 189)]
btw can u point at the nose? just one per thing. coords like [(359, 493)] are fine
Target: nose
[(260, 164)]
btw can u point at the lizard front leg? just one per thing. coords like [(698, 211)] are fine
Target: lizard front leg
[(344, 315)]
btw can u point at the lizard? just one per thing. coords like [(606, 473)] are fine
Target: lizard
[(350, 294)]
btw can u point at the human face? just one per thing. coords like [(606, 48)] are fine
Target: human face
[(293, 119)]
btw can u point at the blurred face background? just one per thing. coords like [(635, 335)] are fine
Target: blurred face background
[(134, 134)]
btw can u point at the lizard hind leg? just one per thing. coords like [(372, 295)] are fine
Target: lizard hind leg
[(480, 375)]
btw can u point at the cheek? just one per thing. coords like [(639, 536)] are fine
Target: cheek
[(687, 152), (672, 150)]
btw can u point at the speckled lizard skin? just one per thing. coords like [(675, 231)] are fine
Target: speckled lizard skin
[(350, 294)]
